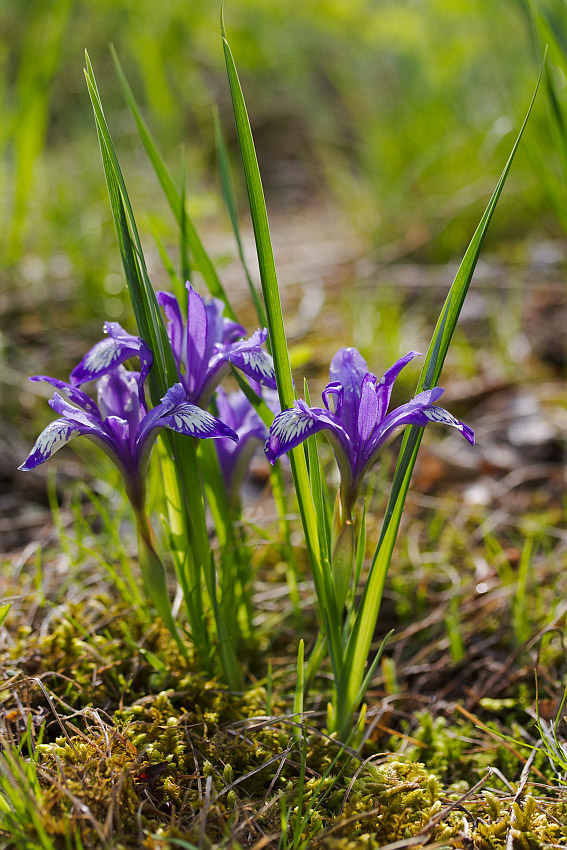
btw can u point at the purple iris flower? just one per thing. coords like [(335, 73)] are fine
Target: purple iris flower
[(107, 354), (236, 410), (355, 418), (206, 345), (120, 424)]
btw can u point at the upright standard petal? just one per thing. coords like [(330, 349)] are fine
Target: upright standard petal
[(386, 383), (211, 342), (368, 408), (348, 368), (196, 341), (118, 394), (175, 329)]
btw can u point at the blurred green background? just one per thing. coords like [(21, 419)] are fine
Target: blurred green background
[(401, 112), (399, 115)]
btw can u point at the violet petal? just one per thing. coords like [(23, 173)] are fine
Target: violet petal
[(54, 437)]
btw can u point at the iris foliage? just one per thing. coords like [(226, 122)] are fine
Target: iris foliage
[(186, 344)]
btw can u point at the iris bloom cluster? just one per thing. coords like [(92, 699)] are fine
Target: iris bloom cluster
[(120, 423), (355, 419)]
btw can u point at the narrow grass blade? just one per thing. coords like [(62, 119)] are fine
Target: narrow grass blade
[(153, 576), (146, 309), (174, 198), (279, 494), (367, 615), (260, 224), (372, 669), (179, 289), (227, 186), (229, 662), (180, 533), (4, 611), (184, 262), (360, 548), (299, 689), (278, 342), (184, 492)]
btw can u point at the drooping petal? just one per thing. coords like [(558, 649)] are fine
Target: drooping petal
[(187, 418), (176, 415), (248, 356), (73, 393), (111, 352), (419, 411), (291, 427), (385, 384), (54, 437), (439, 414), (348, 368), (174, 396)]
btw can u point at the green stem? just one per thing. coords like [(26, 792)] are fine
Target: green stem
[(153, 576)]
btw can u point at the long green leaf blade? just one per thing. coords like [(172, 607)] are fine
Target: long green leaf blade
[(365, 623), (278, 343), (185, 496), (174, 198), (227, 186)]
